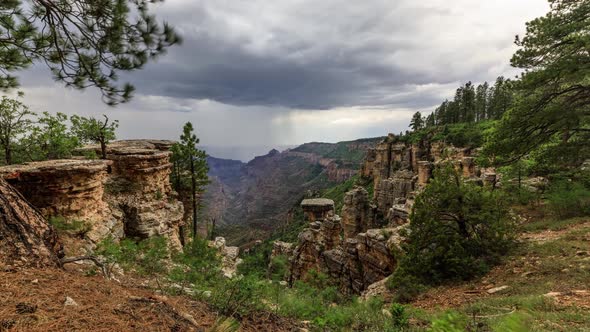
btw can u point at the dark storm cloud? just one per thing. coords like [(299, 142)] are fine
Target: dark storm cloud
[(306, 59)]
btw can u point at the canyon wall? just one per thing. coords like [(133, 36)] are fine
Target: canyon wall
[(360, 248)]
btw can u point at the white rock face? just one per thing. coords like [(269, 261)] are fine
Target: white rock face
[(229, 257)]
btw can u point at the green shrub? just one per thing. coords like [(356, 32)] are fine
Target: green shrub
[(256, 261), (278, 268), (145, 257), (450, 322), (457, 231), (197, 264), (567, 199), (399, 316), (238, 296), (74, 227)]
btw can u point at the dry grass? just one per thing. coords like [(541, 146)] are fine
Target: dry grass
[(33, 300)]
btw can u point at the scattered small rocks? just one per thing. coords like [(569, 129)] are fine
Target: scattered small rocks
[(69, 302), (497, 289)]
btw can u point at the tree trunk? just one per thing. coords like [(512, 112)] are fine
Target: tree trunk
[(26, 239), (103, 149), (194, 197), (8, 155)]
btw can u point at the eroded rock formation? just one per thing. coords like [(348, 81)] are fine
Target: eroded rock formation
[(126, 195), (229, 257), (139, 193), (357, 212), (362, 254)]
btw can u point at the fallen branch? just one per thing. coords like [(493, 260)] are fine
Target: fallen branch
[(93, 259), (179, 315)]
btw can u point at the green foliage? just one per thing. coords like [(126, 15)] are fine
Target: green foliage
[(84, 42), (256, 261), (458, 231), (197, 264), (464, 134), (190, 169), (145, 257), (450, 322), (237, 296), (75, 227), (417, 121), (552, 93), (474, 104), (92, 130), (399, 315), (567, 199), (15, 121), (50, 138), (278, 268)]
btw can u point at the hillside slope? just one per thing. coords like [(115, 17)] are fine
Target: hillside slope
[(260, 194)]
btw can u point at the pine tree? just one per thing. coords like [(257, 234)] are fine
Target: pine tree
[(481, 101), (553, 93), (417, 122), (190, 164), (93, 130), (84, 42)]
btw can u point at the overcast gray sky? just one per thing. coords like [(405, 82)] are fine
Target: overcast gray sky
[(263, 73)]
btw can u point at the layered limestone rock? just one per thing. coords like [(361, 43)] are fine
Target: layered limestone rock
[(66, 188), (128, 194), (394, 190), (140, 195), (317, 208), (312, 243), (357, 212), (229, 257), (69, 189), (366, 255)]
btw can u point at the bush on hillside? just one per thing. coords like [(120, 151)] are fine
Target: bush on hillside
[(568, 199), (458, 230)]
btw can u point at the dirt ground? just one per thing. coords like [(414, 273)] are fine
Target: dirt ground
[(35, 300)]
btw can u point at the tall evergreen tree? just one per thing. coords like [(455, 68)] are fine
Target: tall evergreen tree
[(554, 91), (417, 122), (191, 164), (481, 101)]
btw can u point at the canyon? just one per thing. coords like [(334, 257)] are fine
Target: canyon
[(249, 201), (357, 247)]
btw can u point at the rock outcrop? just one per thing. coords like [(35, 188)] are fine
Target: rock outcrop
[(317, 208), (72, 189), (128, 194), (363, 260), (229, 257), (321, 236), (139, 193), (364, 254), (358, 214)]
